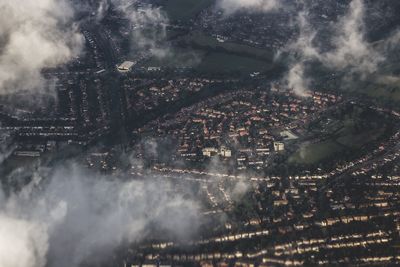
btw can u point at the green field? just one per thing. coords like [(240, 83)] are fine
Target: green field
[(346, 134), (205, 54), (383, 87), (185, 10), (206, 42), (350, 138), (345, 141), (314, 153), (214, 62), (177, 58), (385, 92), (223, 62)]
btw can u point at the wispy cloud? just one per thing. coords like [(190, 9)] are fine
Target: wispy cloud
[(65, 215), (34, 34), (296, 79), (349, 50), (351, 47), (148, 24), (232, 6)]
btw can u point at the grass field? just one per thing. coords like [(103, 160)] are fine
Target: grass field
[(380, 87), (206, 42), (314, 153), (206, 59), (223, 62), (345, 135), (205, 54), (384, 92), (214, 62), (177, 58), (184, 10), (351, 139)]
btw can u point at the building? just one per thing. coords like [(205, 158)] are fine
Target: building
[(153, 68), (27, 153), (126, 66), (210, 151), (289, 135), (225, 152), (279, 146)]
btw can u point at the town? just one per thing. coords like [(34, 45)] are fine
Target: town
[(202, 105)]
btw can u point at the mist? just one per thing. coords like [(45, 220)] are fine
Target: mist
[(68, 214), (232, 6), (349, 50), (34, 35), (147, 27)]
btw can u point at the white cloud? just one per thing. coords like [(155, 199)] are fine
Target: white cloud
[(64, 218), (232, 6), (296, 79), (148, 24), (149, 30), (304, 44), (350, 50), (24, 243), (34, 34)]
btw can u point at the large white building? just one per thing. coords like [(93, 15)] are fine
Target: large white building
[(225, 152), (210, 151), (126, 66), (279, 146)]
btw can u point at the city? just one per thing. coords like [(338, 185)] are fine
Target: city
[(200, 133)]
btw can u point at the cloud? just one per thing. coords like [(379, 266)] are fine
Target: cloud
[(304, 44), (148, 24), (65, 216), (351, 48), (232, 6), (7, 144), (103, 7), (34, 34), (296, 79), (391, 43), (22, 237), (304, 49), (149, 30), (348, 50)]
